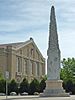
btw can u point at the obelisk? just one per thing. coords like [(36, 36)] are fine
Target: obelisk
[(53, 83)]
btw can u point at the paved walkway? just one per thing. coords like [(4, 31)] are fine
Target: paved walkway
[(72, 97)]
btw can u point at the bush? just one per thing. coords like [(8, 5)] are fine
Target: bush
[(73, 89), (68, 86), (24, 86), (12, 87), (42, 85), (34, 86), (2, 85)]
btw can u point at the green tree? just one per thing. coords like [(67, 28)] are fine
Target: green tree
[(34, 86), (24, 86), (68, 70), (68, 74)]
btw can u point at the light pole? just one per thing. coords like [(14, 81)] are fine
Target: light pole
[(7, 77), (18, 80), (6, 89)]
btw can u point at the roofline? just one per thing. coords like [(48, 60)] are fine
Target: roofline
[(30, 41), (22, 45)]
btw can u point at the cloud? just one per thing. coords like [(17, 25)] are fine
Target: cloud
[(21, 19), (18, 15)]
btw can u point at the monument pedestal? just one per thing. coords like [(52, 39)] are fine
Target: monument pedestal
[(54, 89)]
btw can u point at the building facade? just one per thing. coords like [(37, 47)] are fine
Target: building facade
[(22, 60)]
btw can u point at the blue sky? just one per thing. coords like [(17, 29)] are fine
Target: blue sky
[(22, 19)]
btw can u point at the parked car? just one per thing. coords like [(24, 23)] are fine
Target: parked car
[(36, 93), (13, 93), (2, 94), (24, 93)]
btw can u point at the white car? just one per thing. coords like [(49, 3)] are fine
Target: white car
[(24, 93), (2, 94), (13, 93)]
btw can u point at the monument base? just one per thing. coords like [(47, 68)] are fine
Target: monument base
[(54, 89)]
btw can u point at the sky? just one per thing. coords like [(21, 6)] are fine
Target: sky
[(22, 19)]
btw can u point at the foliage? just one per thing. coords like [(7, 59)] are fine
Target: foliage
[(68, 86), (73, 89), (12, 87), (34, 86), (1, 76), (44, 77), (68, 74), (2, 85), (42, 85), (68, 70), (24, 86)]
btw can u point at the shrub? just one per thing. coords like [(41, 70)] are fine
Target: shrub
[(34, 86), (68, 86), (2, 85), (42, 85), (73, 89), (24, 86), (12, 87)]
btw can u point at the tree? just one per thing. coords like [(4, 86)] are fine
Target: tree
[(68, 74), (34, 86), (12, 87), (24, 86), (68, 70)]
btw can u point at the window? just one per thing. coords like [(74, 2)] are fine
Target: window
[(27, 52), (38, 68), (32, 68), (37, 54), (25, 66), (32, 51), (21, 52), (19, 64)]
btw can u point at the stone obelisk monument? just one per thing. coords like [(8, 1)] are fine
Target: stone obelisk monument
[(53, 83)]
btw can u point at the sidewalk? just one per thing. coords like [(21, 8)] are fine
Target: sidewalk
[(17, 97), (72, 97)]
